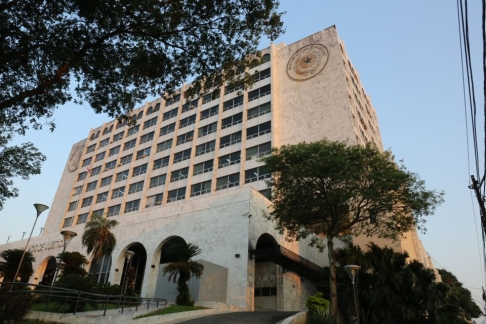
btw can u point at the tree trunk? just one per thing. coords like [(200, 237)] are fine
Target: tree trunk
[(332, 278)]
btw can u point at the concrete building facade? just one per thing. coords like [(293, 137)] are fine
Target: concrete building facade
[(190, 171)]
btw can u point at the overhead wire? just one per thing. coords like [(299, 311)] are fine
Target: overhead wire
[(464, 28), (463, 24), (482, 265)]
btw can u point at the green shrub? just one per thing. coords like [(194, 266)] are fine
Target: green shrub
[(320, 315), (13, 305), (317, 300), (80, 283), (109, 289)]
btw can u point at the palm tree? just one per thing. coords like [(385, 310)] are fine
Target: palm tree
[(182, 268), (97, 237), (8, 268), (393, 290), (72, 262)]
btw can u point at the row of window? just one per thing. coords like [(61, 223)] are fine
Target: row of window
[(202, 131), (227, 140), (224, 182), (232, 103), (203, 167), (151, 201)]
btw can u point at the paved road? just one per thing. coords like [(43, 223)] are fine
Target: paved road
[(242, 318)]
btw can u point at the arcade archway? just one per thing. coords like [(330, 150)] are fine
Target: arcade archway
[(134, 269), (49, 272)]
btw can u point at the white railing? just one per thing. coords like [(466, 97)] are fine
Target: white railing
[(259, 134), (230, 143), (258, 155), (229, 185), (260, 177), (180, 177), (176, 198), (209, 115), (201, 192), (222, 165), (259, 114), (203, 171), (205, 151), (236, 122)]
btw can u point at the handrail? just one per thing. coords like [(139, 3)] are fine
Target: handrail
[(81, 296)]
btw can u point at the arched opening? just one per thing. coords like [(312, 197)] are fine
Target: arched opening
[(157, 107), (140, 115), (164, 257), (265, 58), (133, 269), (150, 110), (164, 288), (266, 276), (100, 269), (49, 272)]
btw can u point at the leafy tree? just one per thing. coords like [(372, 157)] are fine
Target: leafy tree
[(327, 190), (460, 296), (16, 161), (119, 52), (98, 238), (72, 262), (9, 266), (182, 268)]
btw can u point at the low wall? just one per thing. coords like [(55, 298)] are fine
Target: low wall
[(299, 318)]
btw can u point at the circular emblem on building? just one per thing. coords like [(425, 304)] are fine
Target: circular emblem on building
[(75, 157), (307, 62)]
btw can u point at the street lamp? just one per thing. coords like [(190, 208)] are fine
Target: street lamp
[(67, 236), (128, 257), (352, 271), (39, 208)]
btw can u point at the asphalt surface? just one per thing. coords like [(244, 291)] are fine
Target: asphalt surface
[(242, 318)]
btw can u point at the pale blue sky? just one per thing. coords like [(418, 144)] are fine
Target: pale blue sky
[(408, 57)]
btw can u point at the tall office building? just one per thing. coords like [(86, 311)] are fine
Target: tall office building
[(189, 171)]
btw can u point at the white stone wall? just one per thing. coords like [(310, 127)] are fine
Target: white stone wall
[(318, 107), (59, 204)]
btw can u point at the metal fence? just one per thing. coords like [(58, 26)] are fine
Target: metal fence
[(61, 296)]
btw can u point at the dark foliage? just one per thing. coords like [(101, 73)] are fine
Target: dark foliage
[(13, 305), (72, 262), (98, 238), (22, 161), (10, 263), (119, 52), (78, 283), (394, 291)]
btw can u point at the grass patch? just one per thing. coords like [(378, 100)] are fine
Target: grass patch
[(172, 309)]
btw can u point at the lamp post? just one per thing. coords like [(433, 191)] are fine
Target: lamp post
[(39, 208), (352, 271), (128, 257), (67, 236)]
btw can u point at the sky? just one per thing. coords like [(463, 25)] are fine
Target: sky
[(408, 57)]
